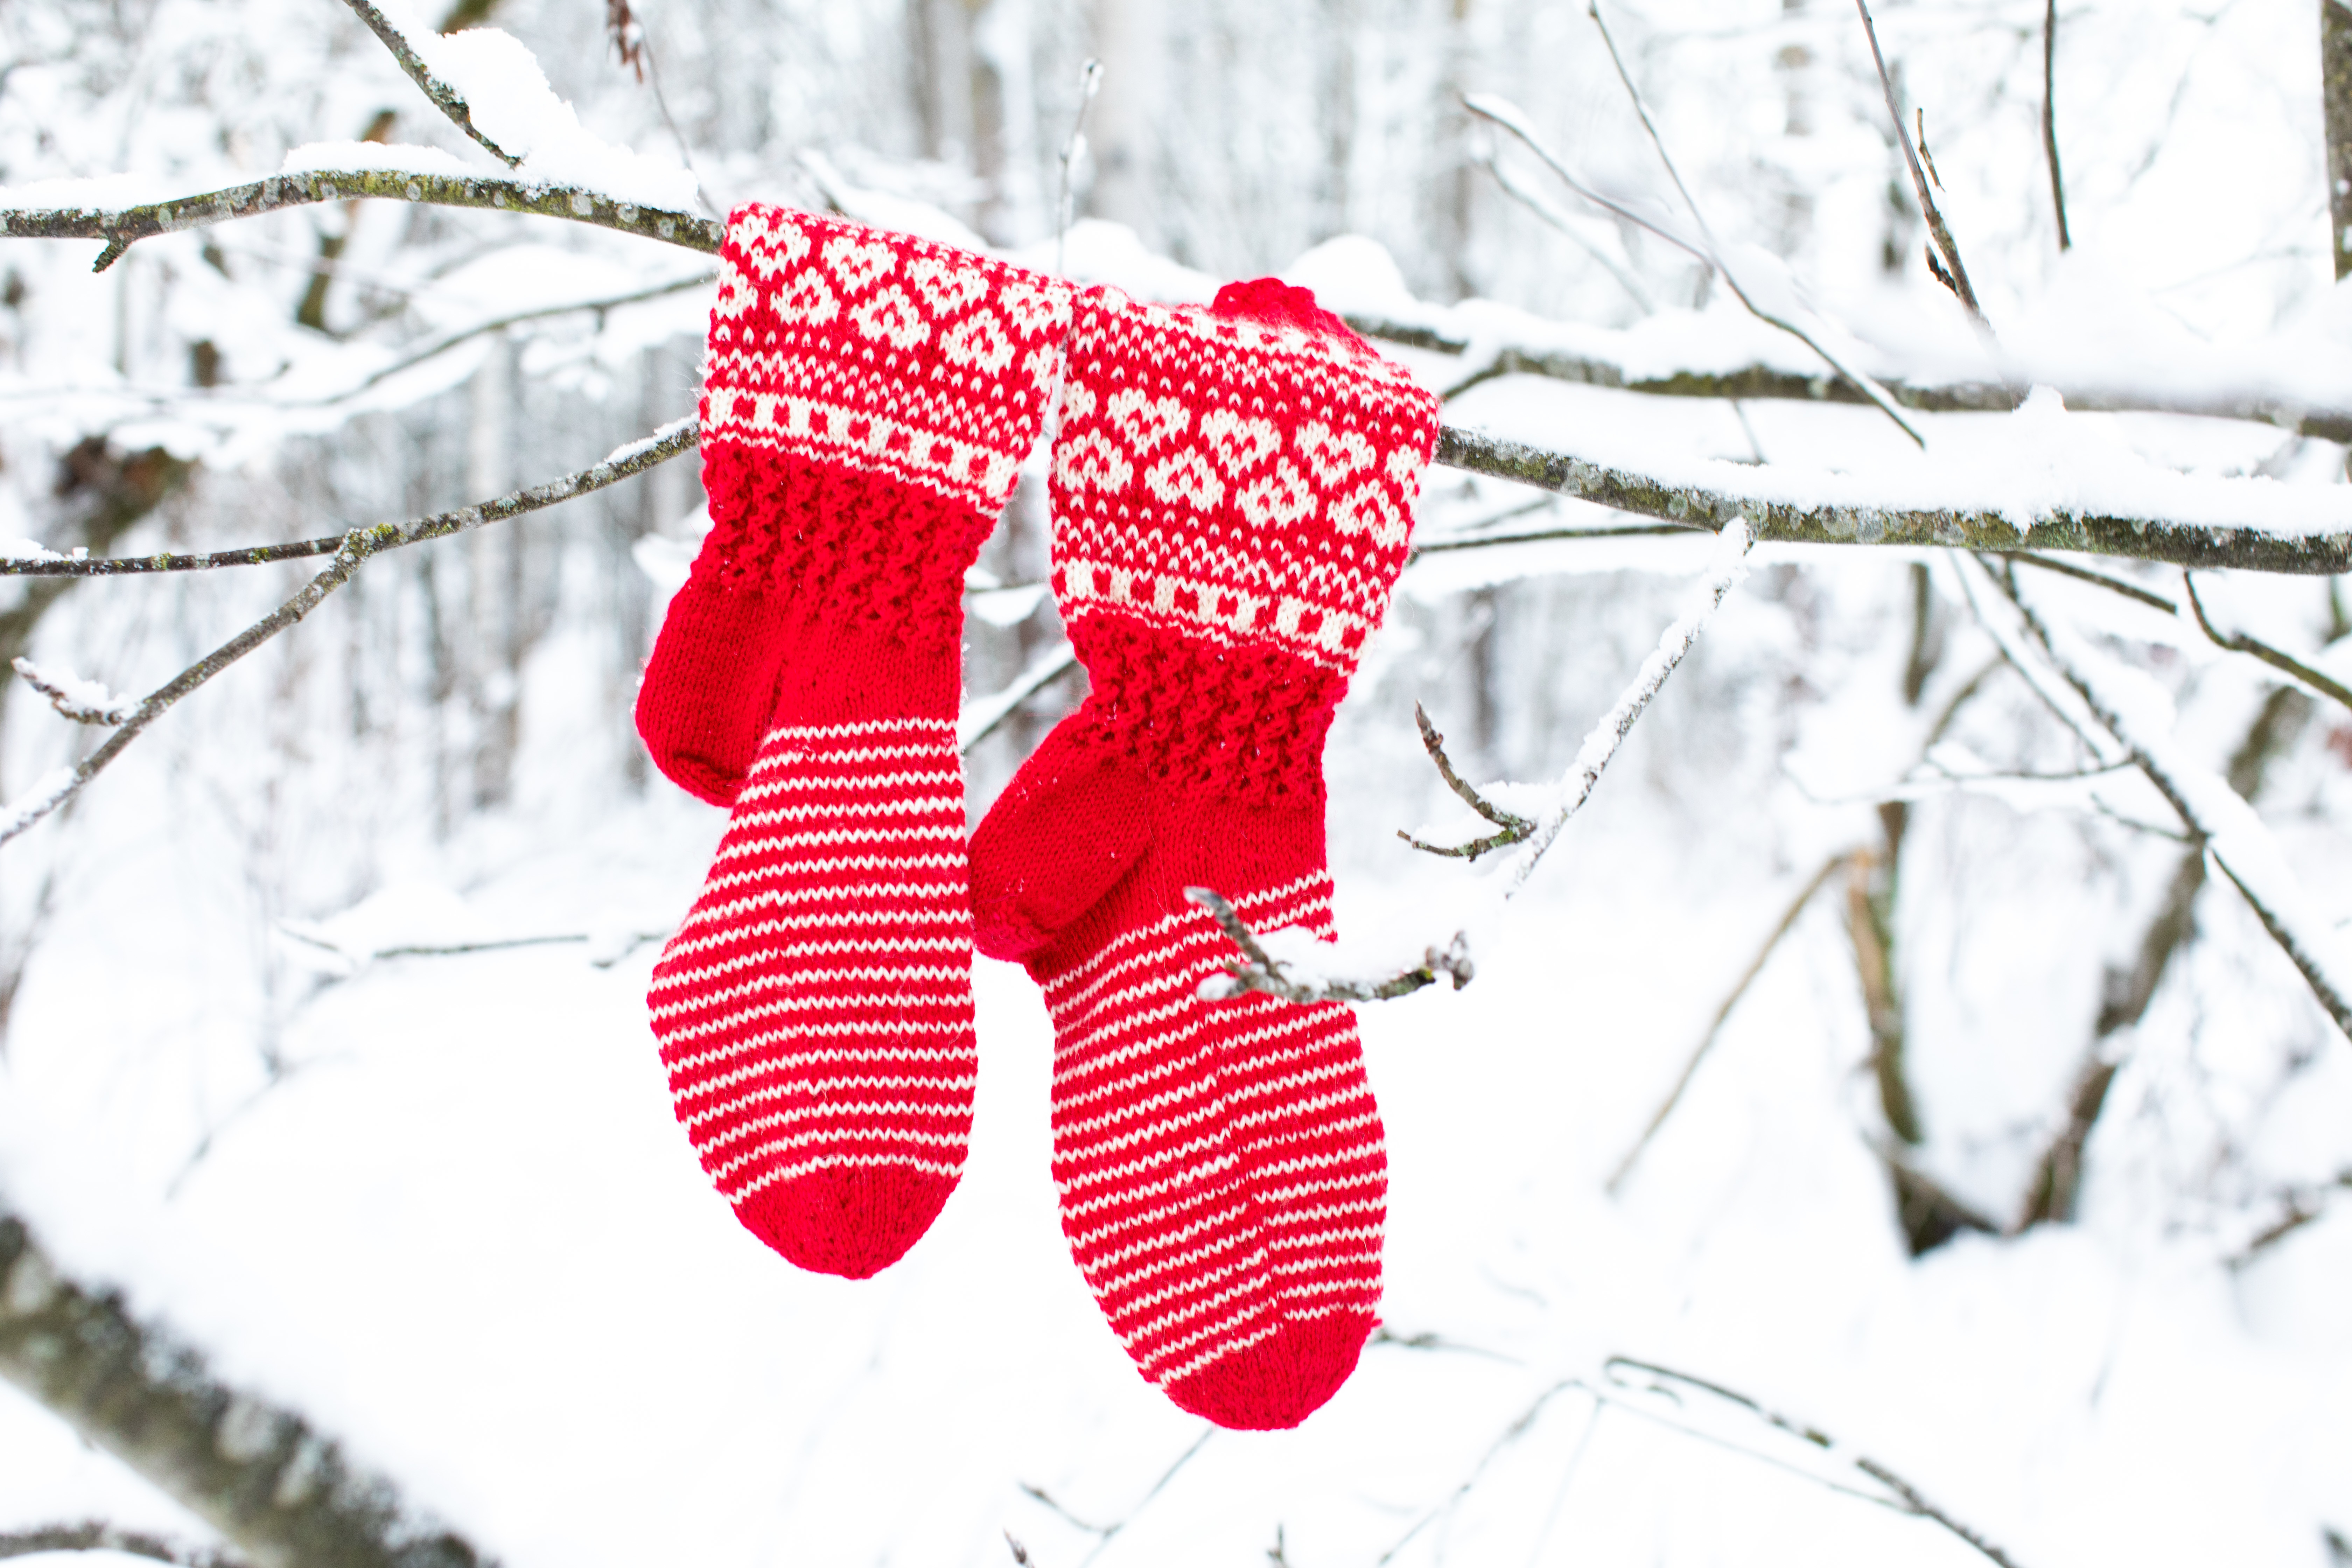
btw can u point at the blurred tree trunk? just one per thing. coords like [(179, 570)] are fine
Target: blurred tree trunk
[(2058, 1174)]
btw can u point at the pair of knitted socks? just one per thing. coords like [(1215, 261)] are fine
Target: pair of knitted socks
[(1232, 494)]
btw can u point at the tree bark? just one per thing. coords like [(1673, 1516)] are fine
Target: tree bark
[(283, 1493)]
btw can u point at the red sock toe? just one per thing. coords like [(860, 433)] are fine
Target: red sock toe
[(853, 1223)]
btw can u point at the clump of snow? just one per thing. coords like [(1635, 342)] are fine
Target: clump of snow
[(87, 700), (888, 209), (508, 99), (1098, 251)]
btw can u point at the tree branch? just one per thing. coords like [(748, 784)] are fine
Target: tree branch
[(2049, 117), (121, 227), (446, 99), (2240, 642), (1746, 494), (1513, 826), (282, 1491), (1256, 970), (2217, 815), (96, 1535), (1906, 1497), (353, 551), (1958, 278), (1722, 1016), (1770, 383)]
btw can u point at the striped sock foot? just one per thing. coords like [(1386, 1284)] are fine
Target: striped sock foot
[(814, 1010), (1223, 1181)]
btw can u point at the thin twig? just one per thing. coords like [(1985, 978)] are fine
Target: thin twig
[(1073, 148), (121, 227), (1958, 280), (1256, 970), (2204, 805), (1909, 1500), (2050, 117), (355, 549), (1539, 204), (2239, 642), (1514, 827), (1714, 251), (982, 716), (445, 98), (96, 1535), (1723, 1015)]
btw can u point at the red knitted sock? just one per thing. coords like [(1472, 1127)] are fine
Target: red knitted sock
[(1232, 496), (869, 397)]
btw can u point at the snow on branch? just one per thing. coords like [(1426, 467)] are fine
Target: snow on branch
[(351, 553), (2150, 514), (389, 177), (83, 701), (1626, 361), (261, 1475), (445, 98), (1309, 971), (2138, 713)]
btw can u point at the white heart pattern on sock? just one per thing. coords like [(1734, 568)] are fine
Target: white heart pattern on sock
[(890, 314), (1279, 498), (1146, 422), (858, 265), (1332, 455), (1240, 444), (1185, 477), (1092, 461), (978, 341)]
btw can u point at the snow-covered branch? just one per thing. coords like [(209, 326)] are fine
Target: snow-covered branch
[(395, 179), (1600, 357), (83, 701), (2138, 712), (1302, 972), (352, 551), (2199, 522), (445, 96), (258, 1474)]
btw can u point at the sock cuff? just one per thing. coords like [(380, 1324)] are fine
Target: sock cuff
[(863, 350), (1244, 476)]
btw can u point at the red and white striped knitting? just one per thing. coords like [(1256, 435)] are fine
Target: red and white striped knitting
[(868, 399), (1233, 491)]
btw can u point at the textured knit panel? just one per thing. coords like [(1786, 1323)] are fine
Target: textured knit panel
[(880, 353), (814, 1011), (1239, 481), (1220, 1166)]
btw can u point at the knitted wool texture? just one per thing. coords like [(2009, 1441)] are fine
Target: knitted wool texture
[(868, 399), (1233, 491)]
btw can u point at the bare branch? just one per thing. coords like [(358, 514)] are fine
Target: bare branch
[(121, 227), (1256, 970), (1073, 149), (1539, 204), (1959, 279), (97, 1535), (262, 1475), (2240, 643), (1908, 1498), (354, 549), (2049, 117), (445, 98), (1747, 494), (2213, 812), (1709, 253), (1767, 382), (1722, 1016), (1514, 827)]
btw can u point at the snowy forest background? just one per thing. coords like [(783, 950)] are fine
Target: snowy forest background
[(2020, 1172)]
